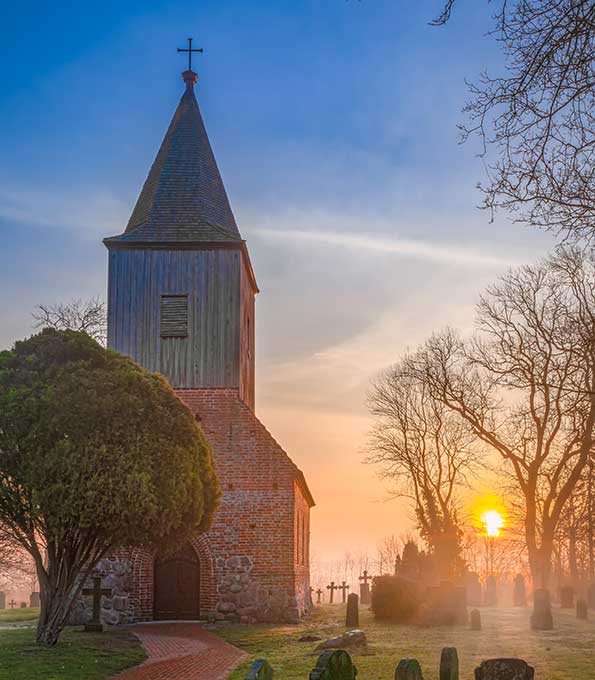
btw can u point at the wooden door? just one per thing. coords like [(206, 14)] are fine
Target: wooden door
[(177, 586)]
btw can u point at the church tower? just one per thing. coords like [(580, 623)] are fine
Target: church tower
[(181, 287), (181, 302)]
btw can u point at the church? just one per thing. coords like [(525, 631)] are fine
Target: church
[(181, 294)]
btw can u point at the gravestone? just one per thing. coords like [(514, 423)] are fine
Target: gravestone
[(408, 669), (445, 605), (449, 664), (260, 670), (519, 595), (318, 596), (364, 588), (334, 664), (591, 596), (96, 592), (491, 591), (352, 638), (2, 600), (23, 605), (504, 669), (352, 616), (34, 600), (582, 611), (475, 617), (343, 588), (567, 597), (541, 617), (12, 604), (332, 587), (473, 588)]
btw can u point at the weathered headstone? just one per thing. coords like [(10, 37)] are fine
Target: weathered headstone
[(473, 588), (343, 588), (34, 600), (96, 592), (332, 587), (475, 617), (566, 597), (591, 596), (364, 588), (2, 600), (582, 610), (318, 596), (352, 616), (541, 618), (23, 605), (352, 638), (408, 669), (491, 591), (449, 664), (334, 664), (504, 669), (260, 670), (519, 595)]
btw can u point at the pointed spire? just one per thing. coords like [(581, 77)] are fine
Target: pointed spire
[(183, 199)]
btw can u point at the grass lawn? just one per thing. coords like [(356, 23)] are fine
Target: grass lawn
[(18, 615), (78, 655), (566, 653)]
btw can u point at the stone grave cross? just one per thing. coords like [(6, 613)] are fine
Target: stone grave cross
[(365, 577), (344, 588), (12, 604), (96, 592), (318, 595), (332, 587)]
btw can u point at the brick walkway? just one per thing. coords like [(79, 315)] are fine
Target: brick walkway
[(182, 651)]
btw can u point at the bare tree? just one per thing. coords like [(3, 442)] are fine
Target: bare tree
[(536, 120), (526, 385), (88, 316), (426, 452)]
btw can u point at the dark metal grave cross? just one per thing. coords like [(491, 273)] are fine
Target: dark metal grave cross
[(319, 595), (190, 52), (12, 604), (332, 587), (365, 577), (94, 625), (344, 587)]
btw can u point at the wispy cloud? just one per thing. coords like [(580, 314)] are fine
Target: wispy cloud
[(438, 252)]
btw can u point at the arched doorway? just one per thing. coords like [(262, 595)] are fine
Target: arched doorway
[(177, 586)]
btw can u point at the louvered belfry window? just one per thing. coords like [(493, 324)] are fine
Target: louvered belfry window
[(174, 316)]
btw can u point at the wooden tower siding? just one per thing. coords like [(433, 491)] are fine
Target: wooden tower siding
[(216, 351)]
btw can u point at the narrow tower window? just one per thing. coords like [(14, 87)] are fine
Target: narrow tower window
[(174, 316)]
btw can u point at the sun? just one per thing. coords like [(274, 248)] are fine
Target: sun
[(493, 522)]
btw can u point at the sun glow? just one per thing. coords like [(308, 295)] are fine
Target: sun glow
[(493, 522)]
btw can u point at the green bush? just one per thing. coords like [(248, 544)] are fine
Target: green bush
[(395, 598)]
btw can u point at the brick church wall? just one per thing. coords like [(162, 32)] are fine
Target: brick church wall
[(254, 562)]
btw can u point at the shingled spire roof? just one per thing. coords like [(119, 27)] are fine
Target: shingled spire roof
[(183, 200)]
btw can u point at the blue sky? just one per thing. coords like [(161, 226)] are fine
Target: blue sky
[(334, 125)]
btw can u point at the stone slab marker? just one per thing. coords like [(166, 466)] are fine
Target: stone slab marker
[(582, 610), (504, 669), (352, 616), (334, 664), (34, 600), (541, 618), (408, 669), (566, 597), (475, 618), (260, 670), (2, 600), (449, 664)]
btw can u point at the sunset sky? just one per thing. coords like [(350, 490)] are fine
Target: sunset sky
[(334, 126)]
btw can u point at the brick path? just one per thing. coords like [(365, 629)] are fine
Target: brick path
[(182, 651)]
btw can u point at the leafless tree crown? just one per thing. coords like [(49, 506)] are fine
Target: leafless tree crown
[(88, 316)]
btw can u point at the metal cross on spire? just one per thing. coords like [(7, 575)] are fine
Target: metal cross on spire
[(190, 51)]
